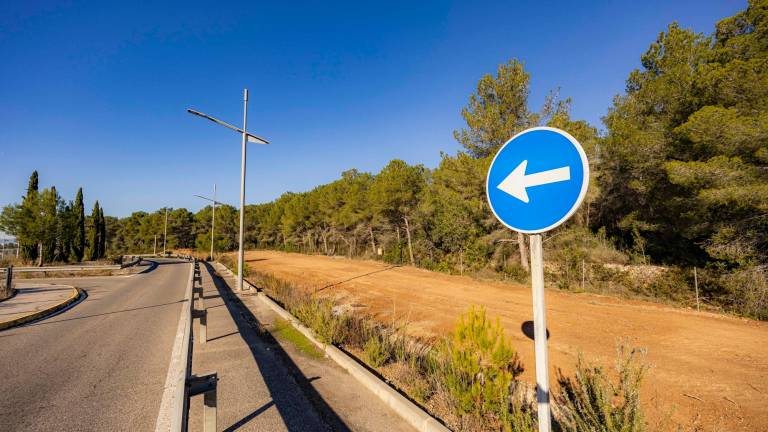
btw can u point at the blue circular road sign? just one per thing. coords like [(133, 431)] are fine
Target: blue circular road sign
[(537, 180)]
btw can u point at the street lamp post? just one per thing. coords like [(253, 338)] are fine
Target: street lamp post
[(247, 137), (165, 230), (213, 215)]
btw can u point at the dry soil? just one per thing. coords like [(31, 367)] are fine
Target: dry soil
[(706, 368)]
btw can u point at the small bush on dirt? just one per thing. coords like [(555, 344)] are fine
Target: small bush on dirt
[(479, 365), (513, 271), (376, 350), (318, 314), (591, 402), (747, 291), (230, 261)]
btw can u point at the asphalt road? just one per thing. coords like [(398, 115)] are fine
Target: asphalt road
[(100, 365)]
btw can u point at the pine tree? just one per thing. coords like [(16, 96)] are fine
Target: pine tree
[(495, 113), (78, 242)]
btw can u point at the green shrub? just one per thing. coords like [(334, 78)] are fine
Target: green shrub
[(513, 271), (479, 365), (376, 350), (591, 402), (230, 261), (746, 291), (318, 314)]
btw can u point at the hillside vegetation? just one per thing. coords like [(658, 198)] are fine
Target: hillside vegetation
[(680, 180)]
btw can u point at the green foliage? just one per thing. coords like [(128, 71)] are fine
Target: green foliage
[(78, 242), (230, 261), (377, 349), (479, 367), (697, 109), (497, 110), (94, 233), (318, 314), (591, 401), (47, 227), (284, 329)]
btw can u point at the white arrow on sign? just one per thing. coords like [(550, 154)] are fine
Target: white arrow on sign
[(517, 181)]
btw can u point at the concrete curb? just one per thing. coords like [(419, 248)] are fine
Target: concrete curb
[(410, 412), (13, 294), (76, 294)]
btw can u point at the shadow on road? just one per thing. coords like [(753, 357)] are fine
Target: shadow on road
[(102, 314), (266, 352)]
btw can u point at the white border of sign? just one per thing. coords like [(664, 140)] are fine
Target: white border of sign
[(584, 185)]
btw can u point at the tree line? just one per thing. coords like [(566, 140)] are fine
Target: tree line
[(680, 178), (50, 229)]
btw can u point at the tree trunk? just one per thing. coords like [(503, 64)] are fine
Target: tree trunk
[(325, 242), (408, 235), (373, 240), (39, 254), (523, 251)]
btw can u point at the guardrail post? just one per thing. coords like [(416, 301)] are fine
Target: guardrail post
[(9, 280), (201, 314), (206, 384)]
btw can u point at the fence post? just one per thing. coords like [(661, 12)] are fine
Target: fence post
[(696, 285), (9, 280)]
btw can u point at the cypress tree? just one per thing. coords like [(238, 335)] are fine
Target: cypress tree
[(66, 227), (48, 225), (93, 237), (102, 234), (32, 186), (78, 243), (29, 230)]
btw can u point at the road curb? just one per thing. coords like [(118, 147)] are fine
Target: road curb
[(13, 294), (77, 293), (410, 412)]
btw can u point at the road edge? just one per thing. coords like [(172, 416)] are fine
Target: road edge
[(170, 415), (77, 293), (410, 412)]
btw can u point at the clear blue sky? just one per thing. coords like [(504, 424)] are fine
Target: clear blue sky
[(93, 94)]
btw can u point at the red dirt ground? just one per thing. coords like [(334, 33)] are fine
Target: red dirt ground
[(705, 366)]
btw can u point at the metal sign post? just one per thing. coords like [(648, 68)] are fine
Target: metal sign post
[(540, 332), (536, 181)]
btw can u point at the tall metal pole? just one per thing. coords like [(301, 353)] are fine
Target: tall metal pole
[(165, 230), (242, 194), (540, 334), (213, 219)]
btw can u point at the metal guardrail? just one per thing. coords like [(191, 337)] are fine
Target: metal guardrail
[(181, 382), (65, 268)]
